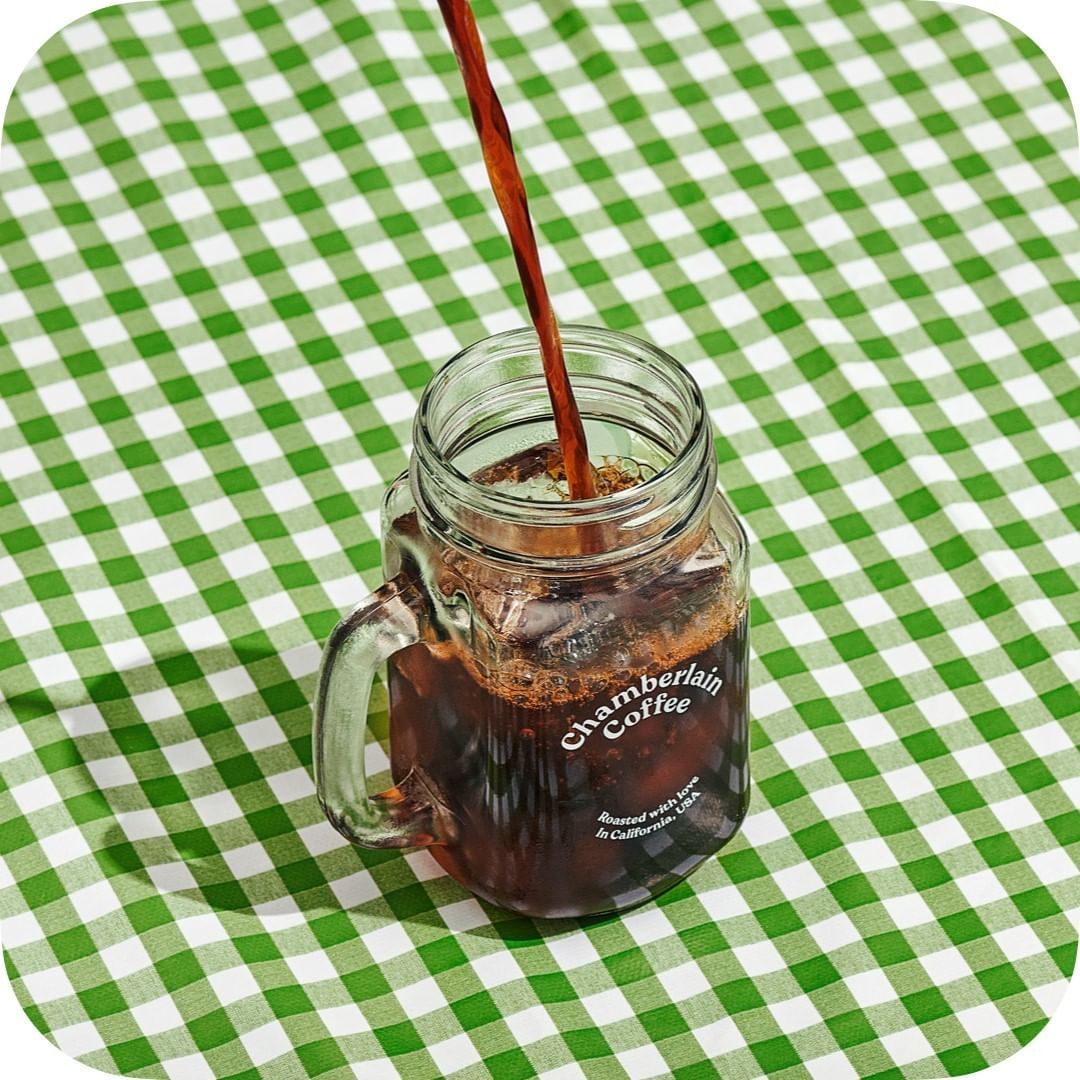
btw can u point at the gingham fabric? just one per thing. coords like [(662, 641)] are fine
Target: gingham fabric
[(237, 238)]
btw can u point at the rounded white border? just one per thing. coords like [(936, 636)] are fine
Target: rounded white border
[(1054, 25)]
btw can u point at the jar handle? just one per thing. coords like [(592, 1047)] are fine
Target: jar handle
[(407, 814)]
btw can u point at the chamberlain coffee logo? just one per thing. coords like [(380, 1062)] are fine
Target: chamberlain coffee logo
[(650, 697)]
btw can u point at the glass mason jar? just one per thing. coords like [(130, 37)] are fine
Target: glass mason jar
[(567, 680)]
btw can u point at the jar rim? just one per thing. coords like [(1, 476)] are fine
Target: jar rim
[(520, 342)]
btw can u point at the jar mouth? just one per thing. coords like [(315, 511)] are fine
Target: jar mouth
[(429, 437), (495, 386)]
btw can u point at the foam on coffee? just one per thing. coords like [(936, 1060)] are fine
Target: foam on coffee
[(544, 463), (524, 617)]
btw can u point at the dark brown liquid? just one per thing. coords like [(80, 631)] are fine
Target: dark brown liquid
[(589, 735), (506, 182)]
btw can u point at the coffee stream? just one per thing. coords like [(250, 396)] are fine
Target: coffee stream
[(506, 182)]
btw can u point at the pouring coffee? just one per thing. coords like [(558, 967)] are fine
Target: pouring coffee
[(564, 618)]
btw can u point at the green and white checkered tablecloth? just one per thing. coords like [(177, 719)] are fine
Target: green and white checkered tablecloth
[(236, 238)]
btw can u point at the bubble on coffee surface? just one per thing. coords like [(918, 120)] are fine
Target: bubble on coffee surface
[(539, 474)]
